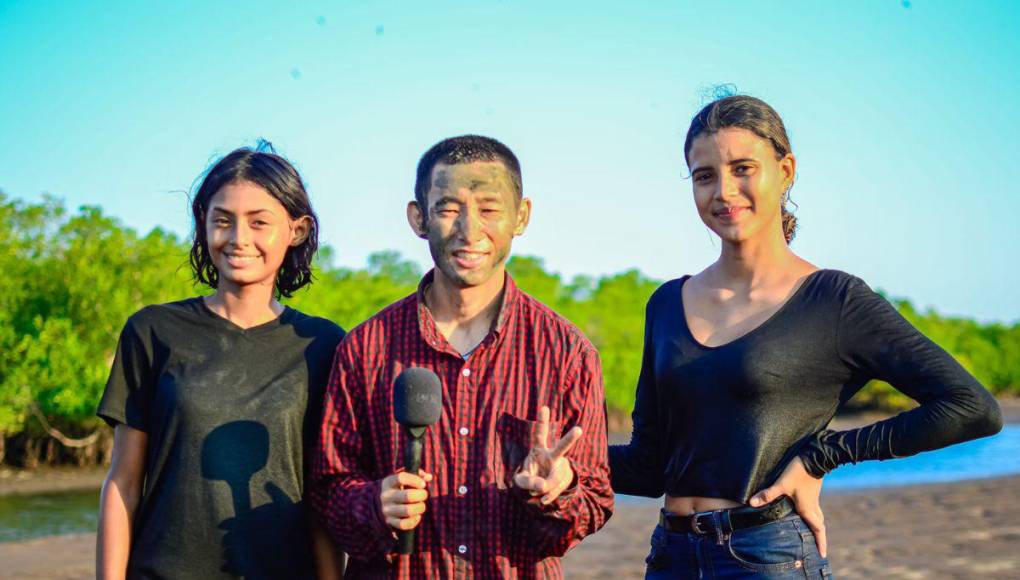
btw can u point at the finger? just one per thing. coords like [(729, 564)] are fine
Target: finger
[(425, 475), (405, 479), (560, 479), (403, 524), (403, 510), (408, 496), (532, 483), (555, 492), (816, 521), (765, 496), (566, 442), (823, 544), (540, 438)]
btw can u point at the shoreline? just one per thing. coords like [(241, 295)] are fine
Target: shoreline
[(50, 479)]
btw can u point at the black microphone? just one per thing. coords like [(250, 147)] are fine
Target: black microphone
[(417, 403)]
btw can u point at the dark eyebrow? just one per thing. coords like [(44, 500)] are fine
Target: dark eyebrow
[(445, 199), (476, 183), (219, 209), (742, 160)]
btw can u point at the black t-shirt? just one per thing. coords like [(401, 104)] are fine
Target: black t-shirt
[(230, 414), (725, 421)]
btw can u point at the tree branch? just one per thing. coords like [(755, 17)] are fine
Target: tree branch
[(63, 439)]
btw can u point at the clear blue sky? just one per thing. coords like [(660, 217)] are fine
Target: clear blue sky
[(904, 116)]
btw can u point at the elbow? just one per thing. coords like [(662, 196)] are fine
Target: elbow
[(125, 489), (989, 421), (984, 417), (648, 487), (630, 475)]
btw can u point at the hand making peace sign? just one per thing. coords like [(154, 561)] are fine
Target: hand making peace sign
[(546, 470)]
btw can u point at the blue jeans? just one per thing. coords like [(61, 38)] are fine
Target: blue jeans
[(783, 549)]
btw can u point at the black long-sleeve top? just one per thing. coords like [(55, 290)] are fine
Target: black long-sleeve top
[(725, 421)]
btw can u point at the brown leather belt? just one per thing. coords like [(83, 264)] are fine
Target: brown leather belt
[(729, 519)]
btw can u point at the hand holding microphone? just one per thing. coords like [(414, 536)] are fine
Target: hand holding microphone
[(417, 403)]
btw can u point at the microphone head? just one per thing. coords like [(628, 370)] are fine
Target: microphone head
[(417, 398)]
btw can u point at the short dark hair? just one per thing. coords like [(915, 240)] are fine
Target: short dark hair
[(464, 149), (263, 167), (754, 115)]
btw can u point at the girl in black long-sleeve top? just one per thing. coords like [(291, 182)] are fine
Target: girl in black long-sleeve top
[(747, 362)]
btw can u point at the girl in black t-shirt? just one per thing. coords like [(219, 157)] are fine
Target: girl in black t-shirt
[(746, 362), (215, 399)]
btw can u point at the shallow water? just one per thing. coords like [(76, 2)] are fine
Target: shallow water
[(30, 516), (989, 457), (23, 517)]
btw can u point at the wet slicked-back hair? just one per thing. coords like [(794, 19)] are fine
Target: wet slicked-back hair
[(754, 115), (264, 168), (464, 149)]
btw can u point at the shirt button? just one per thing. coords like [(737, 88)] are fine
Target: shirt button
[(463, 431), (466, 372), (462, 549), (462, 489)]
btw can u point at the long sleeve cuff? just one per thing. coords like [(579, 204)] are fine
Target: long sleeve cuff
[(355, 520)]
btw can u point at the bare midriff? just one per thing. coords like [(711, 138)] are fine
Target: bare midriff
[(686, 506)]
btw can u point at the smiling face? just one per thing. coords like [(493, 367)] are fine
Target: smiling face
[(248, 233), (739, 184), (472, 217)]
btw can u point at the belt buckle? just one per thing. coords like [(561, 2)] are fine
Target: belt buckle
[(696, 525)]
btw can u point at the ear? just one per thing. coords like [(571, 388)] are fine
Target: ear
[(788, 165), (523, 216), (416, 219), (301, 227)]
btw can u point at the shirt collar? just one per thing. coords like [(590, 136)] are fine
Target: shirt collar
[(505, 318)]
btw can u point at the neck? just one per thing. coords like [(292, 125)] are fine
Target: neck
[(245, 306), (753, 261), (456, 305)]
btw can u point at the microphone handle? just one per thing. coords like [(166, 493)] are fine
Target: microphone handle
[(412, 463)]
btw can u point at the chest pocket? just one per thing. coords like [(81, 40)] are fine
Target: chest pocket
[(513, 439)]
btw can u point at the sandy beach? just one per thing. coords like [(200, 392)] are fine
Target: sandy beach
[(967, 529)]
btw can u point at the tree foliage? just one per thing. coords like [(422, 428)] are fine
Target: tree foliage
[(72, 279)]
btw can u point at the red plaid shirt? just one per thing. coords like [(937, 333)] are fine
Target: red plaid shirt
[(477, 524)]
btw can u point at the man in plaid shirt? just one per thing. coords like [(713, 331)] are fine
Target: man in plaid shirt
[(515, 472)]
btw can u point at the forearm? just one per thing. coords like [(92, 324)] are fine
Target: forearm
[(954, 417), (329, 561), (118, 501)]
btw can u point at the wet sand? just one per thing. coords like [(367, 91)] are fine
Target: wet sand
[(50, 479), (959, 530)]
